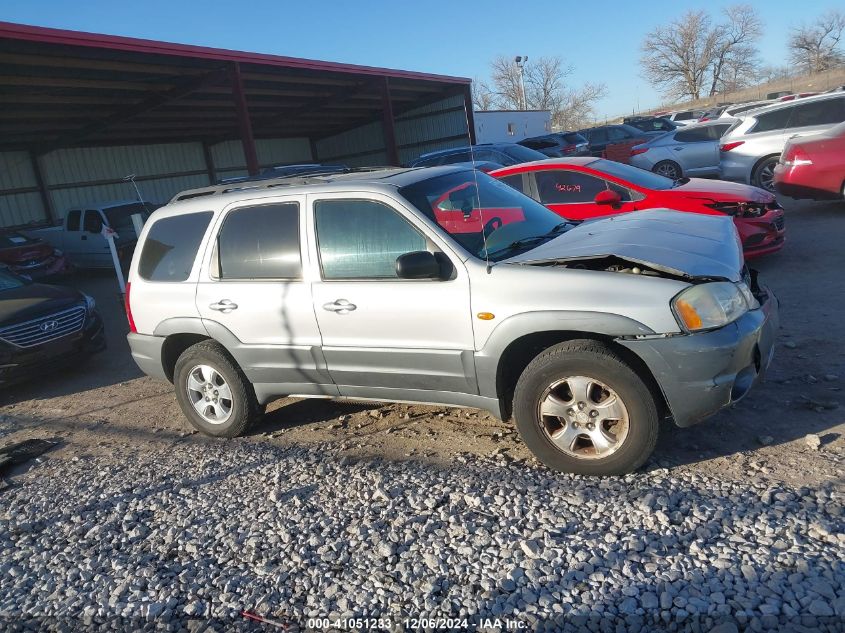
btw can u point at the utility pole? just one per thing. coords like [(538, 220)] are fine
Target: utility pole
[(520, 64)]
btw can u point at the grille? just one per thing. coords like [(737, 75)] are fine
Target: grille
[(44, 329), (780, 223)]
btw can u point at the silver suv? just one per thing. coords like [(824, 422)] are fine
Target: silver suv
[(750, 149), (444, 285)]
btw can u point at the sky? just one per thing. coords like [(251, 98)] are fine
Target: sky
[(600, 39)]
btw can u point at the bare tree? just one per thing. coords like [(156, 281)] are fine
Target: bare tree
[(546, 88), (691, 57), (577, 108), (734, 51), (483, 96), (816, 48), (505, 76)]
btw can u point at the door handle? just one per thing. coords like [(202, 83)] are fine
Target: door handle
[(677, 149), (224, 305), (340, 306)]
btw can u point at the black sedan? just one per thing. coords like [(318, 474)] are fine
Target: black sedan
[(41, 326)]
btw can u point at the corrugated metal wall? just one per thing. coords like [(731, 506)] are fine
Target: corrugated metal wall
[(435, 126), (16, 173), (77, 176)]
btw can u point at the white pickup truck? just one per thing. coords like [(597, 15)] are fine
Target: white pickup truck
[(80, 235)]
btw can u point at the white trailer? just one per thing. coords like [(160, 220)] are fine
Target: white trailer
[(511, 126)]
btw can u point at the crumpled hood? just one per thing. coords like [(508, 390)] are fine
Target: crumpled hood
[(684, 244)]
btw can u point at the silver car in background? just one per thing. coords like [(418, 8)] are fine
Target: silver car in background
[(692, 150), (750, 149)]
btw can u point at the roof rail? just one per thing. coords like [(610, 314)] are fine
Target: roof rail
[(268, 183)]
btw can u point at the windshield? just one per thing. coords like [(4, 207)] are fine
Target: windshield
[(491, 214), (523, 154), (120, 217), (634, 175), (10, 281)]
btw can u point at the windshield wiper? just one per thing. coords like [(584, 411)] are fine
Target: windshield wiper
[(534, 239)]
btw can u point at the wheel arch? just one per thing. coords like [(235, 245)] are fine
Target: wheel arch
[(521, 351), (757, 164)]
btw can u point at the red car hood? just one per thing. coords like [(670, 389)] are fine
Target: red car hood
[(721, 190), (25, 253)]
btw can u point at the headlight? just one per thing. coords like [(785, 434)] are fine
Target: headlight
[(710, 305), (90, 304)]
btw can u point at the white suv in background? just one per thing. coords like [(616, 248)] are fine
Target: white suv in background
[(750, 149)]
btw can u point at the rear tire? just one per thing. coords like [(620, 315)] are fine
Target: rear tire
[(764, 174), (668, 168), (213, 392), (626, 420)]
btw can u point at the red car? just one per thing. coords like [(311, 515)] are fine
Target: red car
[(582, 188), (31, 257), (813, 166)]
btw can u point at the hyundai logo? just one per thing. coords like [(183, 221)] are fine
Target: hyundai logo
[(49, 326)]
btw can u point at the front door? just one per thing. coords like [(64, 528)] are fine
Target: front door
[(384, 336), (252, 297), (571, 194)]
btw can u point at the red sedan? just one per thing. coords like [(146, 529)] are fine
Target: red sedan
[(813, 166), (582, 188)]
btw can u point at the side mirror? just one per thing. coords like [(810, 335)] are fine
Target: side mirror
[(417, 265), (609, 197)]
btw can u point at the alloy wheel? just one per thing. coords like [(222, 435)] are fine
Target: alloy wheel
[(209, 393), (583, 417)]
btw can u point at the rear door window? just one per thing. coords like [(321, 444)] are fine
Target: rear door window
[(567, 187), (260, 242), (92, 221), (823, 112), (771, 121), (598, 136), (514, 181), (693, 135), (171, 246)]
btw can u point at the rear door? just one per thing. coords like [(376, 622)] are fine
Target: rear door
[(252, 286), (383, 335), (695, 150)]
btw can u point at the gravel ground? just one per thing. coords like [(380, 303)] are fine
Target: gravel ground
[(400, 511), (210, 529)]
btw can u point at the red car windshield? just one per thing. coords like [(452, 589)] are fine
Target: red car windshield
[(487, 217), (633, 175)]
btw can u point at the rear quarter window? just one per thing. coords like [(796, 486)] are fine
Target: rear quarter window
[(171, 247)]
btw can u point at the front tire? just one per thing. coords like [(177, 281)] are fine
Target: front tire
[(580, 409), (764, 174), (213, 392)]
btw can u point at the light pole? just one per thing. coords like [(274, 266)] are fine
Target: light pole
[(520, 64)]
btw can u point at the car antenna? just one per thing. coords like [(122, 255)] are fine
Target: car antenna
[(477, 194), (131, 178)]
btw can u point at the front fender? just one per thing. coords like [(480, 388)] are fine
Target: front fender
[(519, 325)]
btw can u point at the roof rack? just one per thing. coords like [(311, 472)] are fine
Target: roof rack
[(270, 183)]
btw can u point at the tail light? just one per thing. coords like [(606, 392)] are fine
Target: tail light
[(638, 150), (703, 119), (569, 149), (794, 155), (128, 307), (729, 146)]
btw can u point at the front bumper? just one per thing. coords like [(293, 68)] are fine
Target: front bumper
[(18, 364), (762, 235), (699, 374)]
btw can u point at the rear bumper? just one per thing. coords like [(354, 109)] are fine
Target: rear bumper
[(17, 364), (700, 374), (146, 352), (735, 167), (801, 181)]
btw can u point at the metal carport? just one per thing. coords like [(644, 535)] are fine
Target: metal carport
[(80, 111)]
